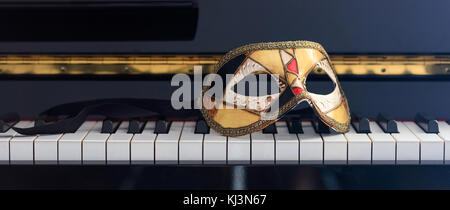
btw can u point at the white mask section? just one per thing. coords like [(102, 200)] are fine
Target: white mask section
[(250, 102), (329, 101)]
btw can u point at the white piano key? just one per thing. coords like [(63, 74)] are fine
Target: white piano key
[(21, 147), (263, 148), (444, 133), (46, 149), (5, 138), (431, 146), (334, 148), (408, 145), (4, 149), (70, 144), (118, 145), (94, 146), (214, 148), (359, 147), (191, 145), (383, 145), (286, 145), (311, 145), (239, 150), (166, 145), (143, 145)]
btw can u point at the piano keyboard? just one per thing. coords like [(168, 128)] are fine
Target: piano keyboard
[(182, 145)]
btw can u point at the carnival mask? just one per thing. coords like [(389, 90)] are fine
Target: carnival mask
[(233, 113)]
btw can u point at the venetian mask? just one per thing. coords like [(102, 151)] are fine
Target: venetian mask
[(288, 65)]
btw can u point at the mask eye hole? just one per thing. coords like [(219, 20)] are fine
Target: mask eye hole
[(320, 84), (254, 85)]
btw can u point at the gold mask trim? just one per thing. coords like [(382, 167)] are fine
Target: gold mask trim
[(304, 95)]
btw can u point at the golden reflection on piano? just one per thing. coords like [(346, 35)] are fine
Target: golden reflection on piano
[(387, 65)]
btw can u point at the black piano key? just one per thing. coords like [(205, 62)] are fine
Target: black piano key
[(162, 126), (360, 124), (427, 123), (294, 126), (320, 127), (201, 127), (387, 123), (135, 126), (7, 121), (110, 126), (270, 129)]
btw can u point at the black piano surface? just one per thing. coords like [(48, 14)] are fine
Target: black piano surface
[(348, 26), (343, 27)]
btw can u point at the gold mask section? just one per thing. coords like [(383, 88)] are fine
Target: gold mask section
[(235, 118), (269, 59), (340, 114), (308, 58)]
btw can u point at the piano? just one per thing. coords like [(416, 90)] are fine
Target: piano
[(394, 68)]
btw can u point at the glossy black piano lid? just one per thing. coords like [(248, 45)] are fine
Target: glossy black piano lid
[(342, 27), (98, 21)]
